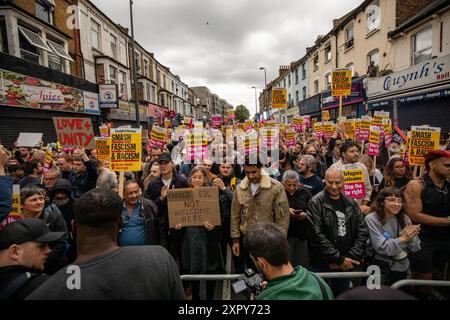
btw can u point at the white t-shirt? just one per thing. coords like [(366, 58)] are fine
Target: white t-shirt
[(167, 182), (254, 187)]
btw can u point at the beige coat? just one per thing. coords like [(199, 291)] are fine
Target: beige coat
[(270, 204)]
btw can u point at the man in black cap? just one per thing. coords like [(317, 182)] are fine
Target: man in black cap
[(24, 247), (157, 192)]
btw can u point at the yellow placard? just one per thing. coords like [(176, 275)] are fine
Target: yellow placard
[(328, 128), (375, 134), (279, 98), (103, 148), (16, 210), (421, 141), (325, 115), (350, 129), (167, 123), (126, 150), (341, 82)]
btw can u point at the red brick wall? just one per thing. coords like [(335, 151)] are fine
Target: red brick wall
[(406, 9)]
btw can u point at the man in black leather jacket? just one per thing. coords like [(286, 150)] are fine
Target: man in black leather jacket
[(337, 234)]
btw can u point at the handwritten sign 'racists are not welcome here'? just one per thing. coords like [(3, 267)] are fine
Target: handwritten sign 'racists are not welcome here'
[(193, 206)]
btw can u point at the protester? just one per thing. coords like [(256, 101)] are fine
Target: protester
[(51, 177), (141, 222), (396, 174), (308, 178), (32, 199), (320, 167), (155, 172), (392, 236), (337, 234), (24, 155), (64, 164), (107, 271), (155, 152), (16, 172), (269, 250), (298, 198), (428, 203), (32, 170), (258, 198), (6, 186), (106, 178), (24, 248), (84, 175)]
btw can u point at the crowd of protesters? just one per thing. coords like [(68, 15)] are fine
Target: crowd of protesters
[(71, 213)]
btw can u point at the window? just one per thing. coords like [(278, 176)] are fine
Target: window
[(123, 86), (95, 35), (289, 98), (328, 80), (114, 46), (284, 83), (328, 52), (303, 71), (304, 93), (351, 66), (316, 86), (146, 72), (30, 43), (373, 60), (289, 80), (3, 36), (150, 70), (138, 62), (112, 75), (164, 81), (422, 46), (59, 50), (153, 94), (55, 61), (296, 76), (316, 61), (349, 37), (148, 91), (43, 11), (297, 98), (173, 87), (158, 77)]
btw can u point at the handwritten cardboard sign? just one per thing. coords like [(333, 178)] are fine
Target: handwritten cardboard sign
[(193, 206), (74, 132), (29, 139)]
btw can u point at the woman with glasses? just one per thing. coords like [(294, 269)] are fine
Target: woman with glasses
[(391, 236)]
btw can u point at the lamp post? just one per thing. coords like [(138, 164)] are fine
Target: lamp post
[(133, 57), (256, 103), (266, 104)]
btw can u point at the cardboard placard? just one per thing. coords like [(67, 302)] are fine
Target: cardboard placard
[(103, 148), (29, 139), (354, 186), (328, 129), (422, 141), (289, 138), (74, 132), (193, 206), (364, 128), (126, 150), (374, 141), (318, 129), (196, 145), (158, 137)]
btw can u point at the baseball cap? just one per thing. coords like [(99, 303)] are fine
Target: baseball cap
[(165, 156), (26, 230), (433, 155)]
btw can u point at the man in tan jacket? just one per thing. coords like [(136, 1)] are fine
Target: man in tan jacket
[(258, 198)]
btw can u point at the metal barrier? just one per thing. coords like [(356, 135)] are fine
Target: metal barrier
[(413, 282), (324, 275)]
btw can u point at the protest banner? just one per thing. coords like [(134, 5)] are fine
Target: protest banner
[(230, 114), (328, 129), (16, 211), (196, 145), (158, 137), (297, 123), (103, 148), (354, 186), (350, 129), (126, 150), (307, 121), (104, 132), (216, 120), (279, 98), (399, 136), (374, 141), (29, 139), (289, 138), (269, 138), (387, 129), (341, 82), (167, 123), (325, 115), (48, 160), (193, 206), (421, 141), (318, 129), (74, 132), (364, 128), (378, 117), (251, 143)]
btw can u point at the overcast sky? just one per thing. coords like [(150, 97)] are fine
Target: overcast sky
[(222, 43)]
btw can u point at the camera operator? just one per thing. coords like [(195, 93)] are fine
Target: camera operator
[(268, 247)]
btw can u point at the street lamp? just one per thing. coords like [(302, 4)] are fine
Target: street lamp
[(133, 57), (266, 104), (256, 103)]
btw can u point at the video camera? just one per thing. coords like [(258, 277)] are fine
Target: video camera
[(250, 281)]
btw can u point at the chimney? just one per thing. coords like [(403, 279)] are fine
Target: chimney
[(123, 29), (283, 69), (319, 37)]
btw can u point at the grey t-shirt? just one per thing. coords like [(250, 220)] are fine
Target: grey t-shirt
[(127, 273), (384, 240)]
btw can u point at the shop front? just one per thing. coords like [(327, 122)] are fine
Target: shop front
[(291, 112), (421, 92), (125, 115), (352, 105), (31, 95), (310, 107)]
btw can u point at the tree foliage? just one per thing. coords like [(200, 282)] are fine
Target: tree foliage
[(241, 113)]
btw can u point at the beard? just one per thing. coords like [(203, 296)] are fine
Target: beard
[(60, 202)]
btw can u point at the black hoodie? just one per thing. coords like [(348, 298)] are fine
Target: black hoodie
[(17, 282)]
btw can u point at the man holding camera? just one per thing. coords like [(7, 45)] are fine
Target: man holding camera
[(269, 250)]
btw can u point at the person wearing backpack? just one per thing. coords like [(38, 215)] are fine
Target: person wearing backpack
[(24, 248)]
